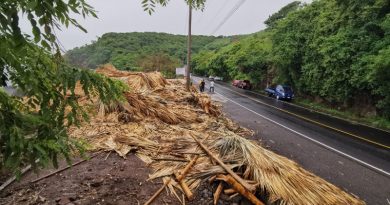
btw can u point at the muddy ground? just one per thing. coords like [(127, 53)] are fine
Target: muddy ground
[(100, 180)]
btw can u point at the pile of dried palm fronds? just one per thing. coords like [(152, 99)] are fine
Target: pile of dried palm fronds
[(172, 129)]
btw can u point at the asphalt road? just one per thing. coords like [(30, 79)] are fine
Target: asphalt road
[(352, 157)]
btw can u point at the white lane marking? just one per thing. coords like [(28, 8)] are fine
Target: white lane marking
[(309, 120), (313, 140), (308, 109)]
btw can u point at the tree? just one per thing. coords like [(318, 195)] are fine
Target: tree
[(282, 13), (33, 129)]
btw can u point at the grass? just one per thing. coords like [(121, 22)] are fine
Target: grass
[(374, 121)]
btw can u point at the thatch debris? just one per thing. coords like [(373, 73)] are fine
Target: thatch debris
[(159, 118), (240, 189)]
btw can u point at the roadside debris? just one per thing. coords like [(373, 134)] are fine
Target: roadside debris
[(171, 129)]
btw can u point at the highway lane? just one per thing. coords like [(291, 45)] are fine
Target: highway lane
[(378, 137), (355, 165)]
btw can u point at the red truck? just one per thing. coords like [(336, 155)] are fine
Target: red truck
[(244, 84)]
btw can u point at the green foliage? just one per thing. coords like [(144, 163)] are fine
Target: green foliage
[(33, 128), (149, 5), (282, 13), (247, 58), (336, 50), (124, 50)]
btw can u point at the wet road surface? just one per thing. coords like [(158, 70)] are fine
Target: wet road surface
[(333, 152)]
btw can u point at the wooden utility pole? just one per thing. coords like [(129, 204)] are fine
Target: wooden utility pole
[(188, 70)]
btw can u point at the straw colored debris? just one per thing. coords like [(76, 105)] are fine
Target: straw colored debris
[(159, 121)]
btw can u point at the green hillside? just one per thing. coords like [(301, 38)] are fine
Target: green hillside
[(128, 51)]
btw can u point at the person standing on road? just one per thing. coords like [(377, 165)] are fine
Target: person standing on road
[(212, 86), (201, 85)]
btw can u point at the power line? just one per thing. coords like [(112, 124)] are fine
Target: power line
[(230, 14), (219, 11)]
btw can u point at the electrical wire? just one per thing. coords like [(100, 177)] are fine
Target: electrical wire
[(227, 17), (218, 12)]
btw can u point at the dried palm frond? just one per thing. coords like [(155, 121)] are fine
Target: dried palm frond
[(156, 121), (284, 180)]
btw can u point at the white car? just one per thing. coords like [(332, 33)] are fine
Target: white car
[(217, 78), (211, 77)]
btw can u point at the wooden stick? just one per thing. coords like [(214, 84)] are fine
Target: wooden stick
[(13, 178), (229, 191), (184, 187), (223, 165), (234, 195), (192, 153), (240, 189), (177, 155), (187, 168), (218, 193), (158, 192), (65, 168), (211, 179), (107, 155), (171, 159)]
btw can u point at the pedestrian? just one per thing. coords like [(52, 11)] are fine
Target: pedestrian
[(212, 86), (201, 85)]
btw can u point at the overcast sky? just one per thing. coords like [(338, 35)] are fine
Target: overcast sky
[(128, 16)]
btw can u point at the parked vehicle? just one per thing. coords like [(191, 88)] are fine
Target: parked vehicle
[(236, 83), (211, 78), (244, 84), (217, 78), (280, 92)]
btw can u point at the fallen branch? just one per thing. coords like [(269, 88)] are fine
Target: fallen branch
[(158, 192), (63, 169), (223, 165), (218, 193), (240, 189), (13, 178), (170, 159)]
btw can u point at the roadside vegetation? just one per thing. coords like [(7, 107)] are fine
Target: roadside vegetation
[(33, 127), (334, 53)]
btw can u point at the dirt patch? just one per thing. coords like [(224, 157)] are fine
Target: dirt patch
[(96, 181)]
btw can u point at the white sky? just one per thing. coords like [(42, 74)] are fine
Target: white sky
[(128, 16)]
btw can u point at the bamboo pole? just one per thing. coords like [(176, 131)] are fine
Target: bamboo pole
[(218, 193), (158, 192), (223, 165), (229, 191), (184, 187), (240, 189), (187, 168)]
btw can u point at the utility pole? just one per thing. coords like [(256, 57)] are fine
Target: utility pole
[(188, 70)]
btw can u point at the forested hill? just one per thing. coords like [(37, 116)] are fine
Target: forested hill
[(129, 51)]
